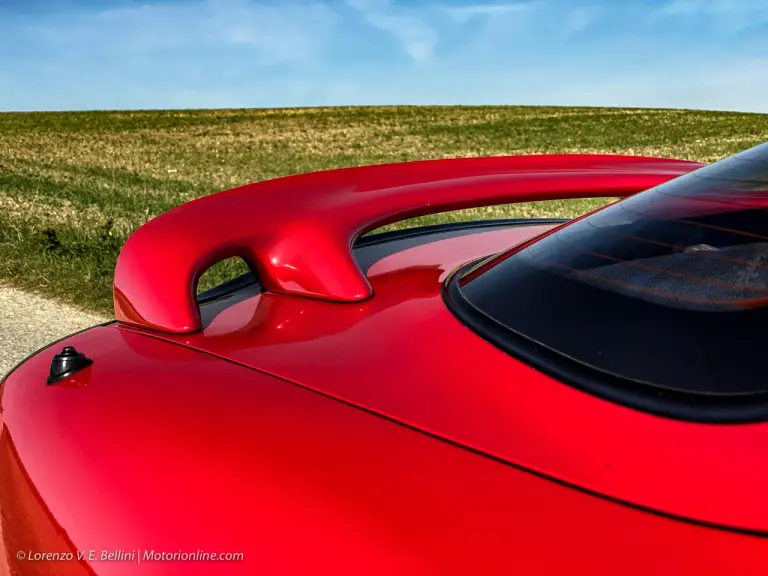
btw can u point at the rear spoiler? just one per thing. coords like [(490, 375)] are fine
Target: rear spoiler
[(297, 232)]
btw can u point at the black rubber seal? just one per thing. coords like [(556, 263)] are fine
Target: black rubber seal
[(689, 407)]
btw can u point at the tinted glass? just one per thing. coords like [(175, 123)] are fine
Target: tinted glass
[(668, 288)]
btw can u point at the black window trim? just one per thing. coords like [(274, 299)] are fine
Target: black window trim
[(675, 405), (429, 229)]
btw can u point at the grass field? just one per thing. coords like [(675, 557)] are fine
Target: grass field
[(74, 185)]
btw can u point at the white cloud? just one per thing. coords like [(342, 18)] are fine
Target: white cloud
[(464, 13), (287, 32), (417, 38), (276, 33), (368, 5), (579, 19), (729, 14), (682, 7), (203, 53)]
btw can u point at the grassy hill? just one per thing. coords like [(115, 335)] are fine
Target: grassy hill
[(74, 185)]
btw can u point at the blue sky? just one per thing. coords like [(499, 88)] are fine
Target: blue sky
[(99, 54)]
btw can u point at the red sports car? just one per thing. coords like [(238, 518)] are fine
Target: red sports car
[(493, 397)]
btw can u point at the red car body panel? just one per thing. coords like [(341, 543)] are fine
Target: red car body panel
[(375, 436), (272, 224), (404, 355), (189, 452)]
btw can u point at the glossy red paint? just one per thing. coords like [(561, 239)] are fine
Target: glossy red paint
[(189, 452), (271, 224), (404, 355), (378, 437)]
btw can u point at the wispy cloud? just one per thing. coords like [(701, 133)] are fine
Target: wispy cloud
[(578, 19), (230, 53), (464, 13), (416, 37), (276, 34), (712, 7), (728, 15)]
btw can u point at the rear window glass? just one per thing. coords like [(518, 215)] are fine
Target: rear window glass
[(667, 289)]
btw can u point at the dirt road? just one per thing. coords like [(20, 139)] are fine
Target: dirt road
[(27, 323)]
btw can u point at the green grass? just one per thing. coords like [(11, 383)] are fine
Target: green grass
[(73, 186)]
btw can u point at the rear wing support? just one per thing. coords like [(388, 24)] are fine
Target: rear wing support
[(297, 232)]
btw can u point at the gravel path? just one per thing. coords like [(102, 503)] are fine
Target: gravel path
[(29, 322)]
